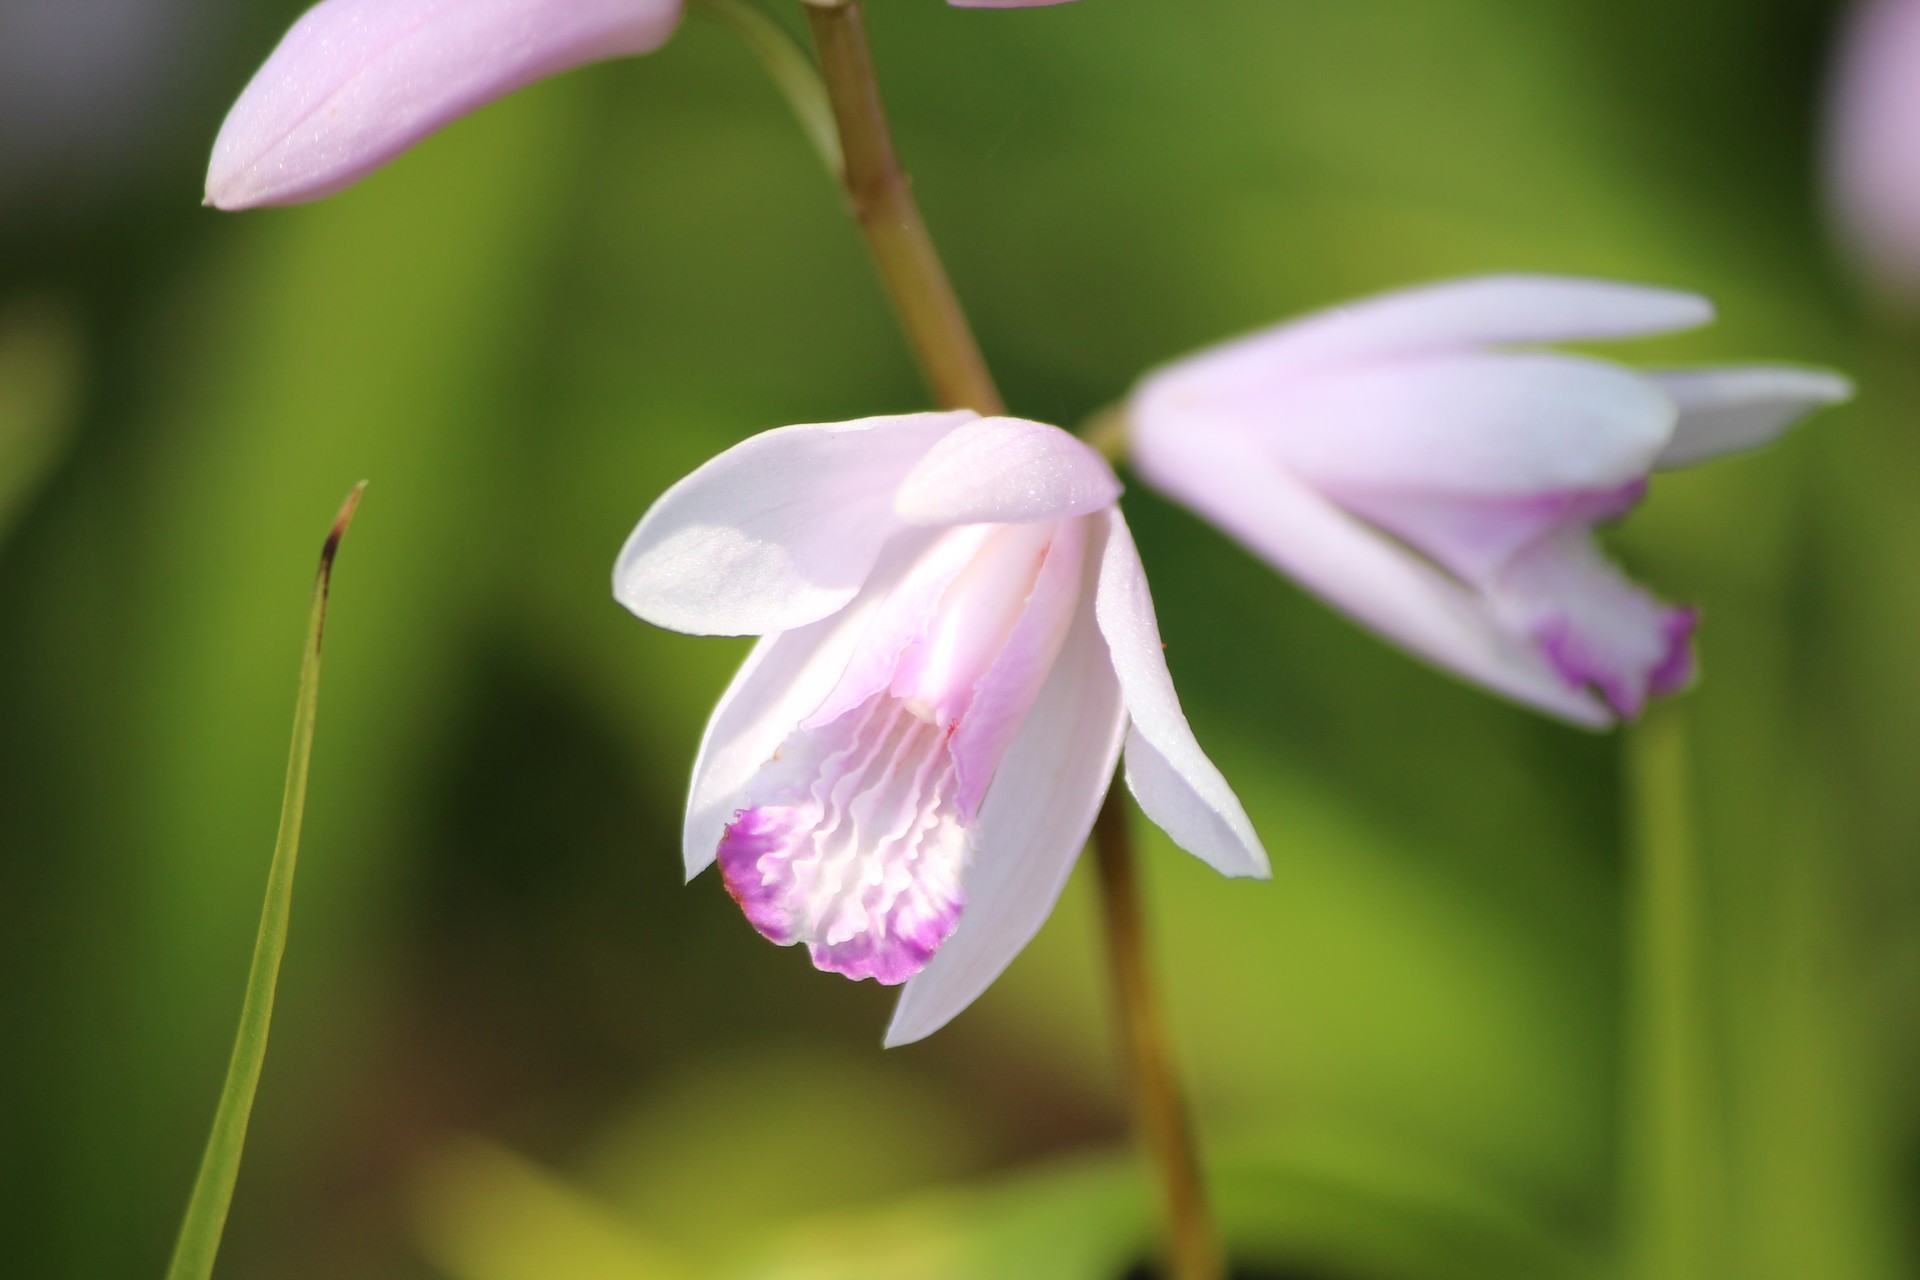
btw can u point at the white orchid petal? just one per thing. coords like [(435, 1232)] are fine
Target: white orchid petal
[(1171, 777), (1032, 826), (1454, 315), (1478, 422), (1728, 409), (1228, 479), (777, 532), (1005, 470)]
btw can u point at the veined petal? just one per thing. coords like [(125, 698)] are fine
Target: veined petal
[(850, 842), (1453, 315), (1171, 777), (1478, 423), (1727, 409), (776, 532), (356, 82), (1005, 470), (782, 681), (1227, 478), (1031, 827)]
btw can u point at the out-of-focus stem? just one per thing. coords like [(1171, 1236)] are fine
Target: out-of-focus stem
[(787, 65), (1159, 1109), (1673, 1198), (882, 203)]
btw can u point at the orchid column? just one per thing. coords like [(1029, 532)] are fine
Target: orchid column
[(881, 200)]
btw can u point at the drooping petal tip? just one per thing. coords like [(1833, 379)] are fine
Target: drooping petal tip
[(1170, 776), (355, 83), (1732, 408)]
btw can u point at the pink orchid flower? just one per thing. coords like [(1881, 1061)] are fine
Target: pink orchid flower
[(357, 82), (1873, 143), (957, 638), (1398, 458)]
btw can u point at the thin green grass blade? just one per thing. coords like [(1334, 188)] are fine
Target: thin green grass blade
[(206, 1217)]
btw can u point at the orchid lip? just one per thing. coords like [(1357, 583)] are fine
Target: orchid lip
[(858, 831)]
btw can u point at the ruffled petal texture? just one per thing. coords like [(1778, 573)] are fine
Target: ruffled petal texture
[(1396, 458), (356, 82), (956, 632), (1035, 820)]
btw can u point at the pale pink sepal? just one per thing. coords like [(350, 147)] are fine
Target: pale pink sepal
[(1176, 785), (1730, 408), (776, 532), (1479, 422), (1400, 458), (1873, 143), (1454, 315), (1226, 477), (356, 82)]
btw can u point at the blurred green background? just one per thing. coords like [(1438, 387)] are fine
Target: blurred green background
[(512, 1046)]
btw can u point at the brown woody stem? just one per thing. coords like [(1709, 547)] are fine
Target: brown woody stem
[(881, 199)]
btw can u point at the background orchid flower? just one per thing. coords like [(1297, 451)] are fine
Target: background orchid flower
[(356, 82), (957, 635), (1873, 144), (1395, 458)]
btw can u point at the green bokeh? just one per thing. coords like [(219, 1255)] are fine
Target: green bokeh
[(507, 1032)]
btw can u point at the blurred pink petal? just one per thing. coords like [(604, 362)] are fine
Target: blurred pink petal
[(1873, 143), (1444, 490), (913, 758), (1728, 409), (357, 82)]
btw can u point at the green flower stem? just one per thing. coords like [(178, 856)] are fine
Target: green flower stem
[(1673, 1201), (1159, 1111), (787, 65), (206, 1217), (881, 199)]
